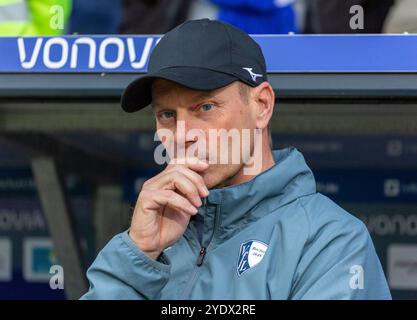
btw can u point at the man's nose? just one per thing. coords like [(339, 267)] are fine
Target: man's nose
[(185, 128)]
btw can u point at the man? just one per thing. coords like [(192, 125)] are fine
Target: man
[(206, 229)]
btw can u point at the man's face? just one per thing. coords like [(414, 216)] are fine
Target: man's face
[(176, 107)]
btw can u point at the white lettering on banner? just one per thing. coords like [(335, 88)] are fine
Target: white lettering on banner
[(21, 220), (47, 53), (92, 52), (120, 53), (137, 57), (389, 225), (145, 54), (22, 53)]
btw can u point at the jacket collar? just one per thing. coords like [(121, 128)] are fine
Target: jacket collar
[(289, 179)]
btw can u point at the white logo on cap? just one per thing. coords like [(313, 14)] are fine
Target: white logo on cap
[(252, 74)]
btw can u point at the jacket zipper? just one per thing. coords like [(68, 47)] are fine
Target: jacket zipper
[(201, 256), (203, 250), (202, 253)]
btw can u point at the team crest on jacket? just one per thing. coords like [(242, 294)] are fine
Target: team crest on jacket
[(251, 253)]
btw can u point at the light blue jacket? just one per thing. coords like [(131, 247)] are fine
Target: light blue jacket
[(273, 237)]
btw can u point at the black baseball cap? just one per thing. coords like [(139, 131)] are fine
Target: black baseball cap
[(202, 55)]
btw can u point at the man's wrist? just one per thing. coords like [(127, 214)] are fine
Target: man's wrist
[(154, 254)]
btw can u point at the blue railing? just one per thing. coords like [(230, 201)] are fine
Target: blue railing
[(283, 53)]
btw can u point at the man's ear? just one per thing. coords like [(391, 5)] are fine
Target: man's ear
[(264, 97)]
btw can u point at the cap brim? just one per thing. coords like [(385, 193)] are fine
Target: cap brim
[(138, 94)]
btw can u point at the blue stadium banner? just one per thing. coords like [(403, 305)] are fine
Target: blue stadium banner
[(284, 53)]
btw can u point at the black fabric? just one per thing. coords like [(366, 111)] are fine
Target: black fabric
[(200, 54), (333, 16), (152, 16)]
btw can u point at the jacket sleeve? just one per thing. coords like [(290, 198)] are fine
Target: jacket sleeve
[(122, 271), (340, 262)]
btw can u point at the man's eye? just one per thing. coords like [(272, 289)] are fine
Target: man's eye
[(207, 107), (166, 114)]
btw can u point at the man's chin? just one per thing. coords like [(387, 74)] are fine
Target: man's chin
[(211, 180), (215, 180)]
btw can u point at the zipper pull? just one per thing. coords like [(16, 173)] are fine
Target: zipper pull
[(201, 256)]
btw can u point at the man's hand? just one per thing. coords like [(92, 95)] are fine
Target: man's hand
[(166, 204)]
